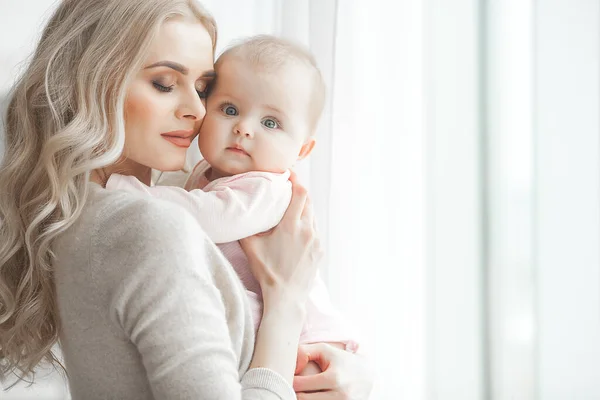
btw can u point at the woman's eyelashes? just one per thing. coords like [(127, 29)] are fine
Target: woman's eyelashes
[(162, 88), (202, 92)]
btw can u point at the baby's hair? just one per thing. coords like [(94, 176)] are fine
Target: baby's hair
[(273, 53)]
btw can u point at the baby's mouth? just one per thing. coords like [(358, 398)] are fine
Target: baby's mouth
[(238, 150)]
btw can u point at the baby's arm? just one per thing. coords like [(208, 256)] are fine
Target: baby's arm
[(232, 209)]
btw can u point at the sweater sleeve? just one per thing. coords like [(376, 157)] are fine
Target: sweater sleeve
[(168, 303), (229, 209)]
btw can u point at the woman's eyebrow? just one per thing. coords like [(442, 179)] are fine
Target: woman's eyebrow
[(180, 68), (170, 64)]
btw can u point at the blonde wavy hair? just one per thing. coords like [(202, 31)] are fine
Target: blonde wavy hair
[(64, 119)]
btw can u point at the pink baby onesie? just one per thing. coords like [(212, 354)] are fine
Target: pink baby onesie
[(232, 208)]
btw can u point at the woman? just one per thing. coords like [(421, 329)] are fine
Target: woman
[(143, 304)]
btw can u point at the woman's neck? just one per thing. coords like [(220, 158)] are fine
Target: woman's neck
[(127, 167)]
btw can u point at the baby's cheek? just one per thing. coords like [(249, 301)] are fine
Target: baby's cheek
[(279, 160), (207, 139)]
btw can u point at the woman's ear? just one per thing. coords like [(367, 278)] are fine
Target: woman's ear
[(307, 148)]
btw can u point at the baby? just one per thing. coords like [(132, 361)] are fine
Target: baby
[(261, 116)]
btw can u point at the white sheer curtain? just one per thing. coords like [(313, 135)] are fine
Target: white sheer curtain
[(367, 174), (394, 193), (455, 182), (376, 212)]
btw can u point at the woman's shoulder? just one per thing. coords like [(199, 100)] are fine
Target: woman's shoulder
[(121, 212), (122, 235), (116, 226)]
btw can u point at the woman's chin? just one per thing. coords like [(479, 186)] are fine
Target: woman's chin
[(170, 165)]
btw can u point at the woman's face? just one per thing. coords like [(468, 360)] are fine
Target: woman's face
[(165, 103)]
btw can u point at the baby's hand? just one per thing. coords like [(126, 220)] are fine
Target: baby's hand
[(304, 366)]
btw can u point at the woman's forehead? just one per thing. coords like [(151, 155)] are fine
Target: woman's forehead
[(184, 42)]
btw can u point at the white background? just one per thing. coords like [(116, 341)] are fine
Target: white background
[(456, 181)]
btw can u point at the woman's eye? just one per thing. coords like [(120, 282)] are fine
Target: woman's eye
[(230, 110), (270, 123), (162, 88), (203, 91)]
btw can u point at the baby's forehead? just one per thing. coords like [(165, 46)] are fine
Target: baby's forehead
[(283, 68), (242, 75)]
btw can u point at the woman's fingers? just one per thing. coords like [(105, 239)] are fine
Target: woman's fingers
[(297, 204), (312, 383), (344, 374), (302, 360), (319, 396), (293, 178), (286, 257), (307, 213)]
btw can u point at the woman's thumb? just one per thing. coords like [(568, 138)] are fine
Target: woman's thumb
[(302, 359)]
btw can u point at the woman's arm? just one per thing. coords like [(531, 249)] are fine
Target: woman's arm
[(284, 262), (171, 287)]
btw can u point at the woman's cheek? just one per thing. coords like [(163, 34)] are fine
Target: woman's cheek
[(144, 103)]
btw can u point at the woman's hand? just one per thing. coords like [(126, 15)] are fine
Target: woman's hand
[(284, 260), (345, 376)]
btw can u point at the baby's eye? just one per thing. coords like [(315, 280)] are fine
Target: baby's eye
[(229, 110), (270, 123)]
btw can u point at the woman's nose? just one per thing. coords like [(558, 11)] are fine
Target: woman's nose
[(191, 108)]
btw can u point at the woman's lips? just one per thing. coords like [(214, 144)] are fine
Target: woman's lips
[(179, 139)]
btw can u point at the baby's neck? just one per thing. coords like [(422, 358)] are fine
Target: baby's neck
[(212, 174)]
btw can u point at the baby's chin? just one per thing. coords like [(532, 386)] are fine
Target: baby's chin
[(222, 170), (225, 167), (230, 170)]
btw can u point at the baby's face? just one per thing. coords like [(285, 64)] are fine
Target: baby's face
[(256, 120)]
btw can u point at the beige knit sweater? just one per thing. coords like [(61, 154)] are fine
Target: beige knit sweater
[(150, 309)]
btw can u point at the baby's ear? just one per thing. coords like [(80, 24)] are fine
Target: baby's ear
[(307, 148)]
